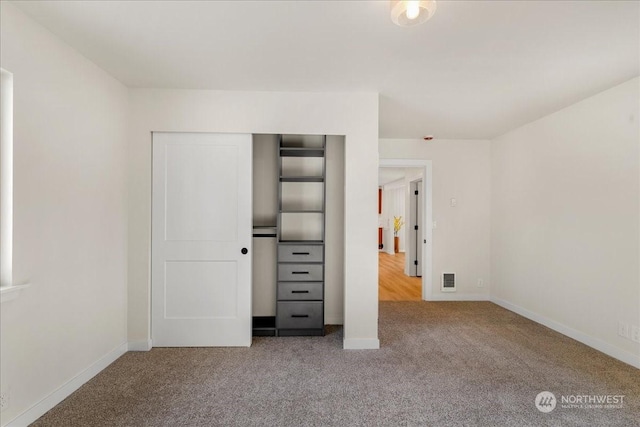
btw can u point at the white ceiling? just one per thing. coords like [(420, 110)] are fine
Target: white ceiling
[(475, 70)]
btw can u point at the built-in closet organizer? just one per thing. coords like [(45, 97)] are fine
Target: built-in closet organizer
[(301, 231), (299, 237)]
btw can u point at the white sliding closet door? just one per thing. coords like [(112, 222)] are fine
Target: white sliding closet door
[(201, 229)]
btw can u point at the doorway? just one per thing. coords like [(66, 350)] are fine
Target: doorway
[(405, 195)]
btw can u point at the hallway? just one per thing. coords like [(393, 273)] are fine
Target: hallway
[(393, 284)]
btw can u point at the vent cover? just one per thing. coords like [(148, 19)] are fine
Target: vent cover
[(448, 282)]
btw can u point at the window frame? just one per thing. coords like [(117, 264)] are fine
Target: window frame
[(8, 290)]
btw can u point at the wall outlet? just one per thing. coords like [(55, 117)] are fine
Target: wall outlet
[(635, 333), (4, 400), (480, 283), (623, 329)]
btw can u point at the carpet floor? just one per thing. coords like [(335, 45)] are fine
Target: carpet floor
[(440, 364)]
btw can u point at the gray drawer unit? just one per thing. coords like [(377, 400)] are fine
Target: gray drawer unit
[(299, 315), (300, 253), (300, 272), (297, 291)]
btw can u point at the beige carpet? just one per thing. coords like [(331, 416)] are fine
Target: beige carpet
[(441, 364)]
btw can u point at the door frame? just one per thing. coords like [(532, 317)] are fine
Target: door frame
[(427, 253)]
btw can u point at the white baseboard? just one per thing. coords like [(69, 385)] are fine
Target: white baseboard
[(140, 345), (454, 296), (598, 344), (46, 404), (361, 344)]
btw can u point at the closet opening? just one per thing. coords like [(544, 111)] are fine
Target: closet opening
[(298, 234)]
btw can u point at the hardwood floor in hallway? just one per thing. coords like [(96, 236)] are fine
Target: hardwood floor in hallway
[(393, 284)]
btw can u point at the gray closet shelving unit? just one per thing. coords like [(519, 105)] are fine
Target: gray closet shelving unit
[(300, 234)]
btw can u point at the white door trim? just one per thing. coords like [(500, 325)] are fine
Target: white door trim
[(427, 253)]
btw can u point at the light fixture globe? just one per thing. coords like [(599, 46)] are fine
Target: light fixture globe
[(407, 13)]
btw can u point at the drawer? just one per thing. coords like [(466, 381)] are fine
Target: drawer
[(300, 272), (299, 315), (300, 253), (300, 290)]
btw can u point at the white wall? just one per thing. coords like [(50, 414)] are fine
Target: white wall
[(354, 115), (565, 220), (461, 241), (69, 216)]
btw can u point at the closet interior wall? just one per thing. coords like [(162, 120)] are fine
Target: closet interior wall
[(265, 211)]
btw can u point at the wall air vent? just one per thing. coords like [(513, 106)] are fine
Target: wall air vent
[(448, 282)]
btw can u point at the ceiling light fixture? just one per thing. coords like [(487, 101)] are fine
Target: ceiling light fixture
[(407, 13)]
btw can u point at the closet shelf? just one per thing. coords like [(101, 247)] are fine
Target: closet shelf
[(302, 242), (265, 231), (301, 152), (315, 211), (306, 242), (301, 179), (264, 326)]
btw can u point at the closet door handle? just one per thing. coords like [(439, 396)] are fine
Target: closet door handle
[(299, 253), (299, 272), (299, 315), (299, 292)]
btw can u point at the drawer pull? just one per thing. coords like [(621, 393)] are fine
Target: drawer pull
[(299, 292), (299, 315), (300, 253), (299, 272)]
